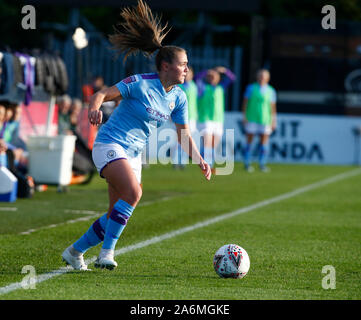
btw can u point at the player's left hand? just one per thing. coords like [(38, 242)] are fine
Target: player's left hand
[(206, 169), (95, 117)]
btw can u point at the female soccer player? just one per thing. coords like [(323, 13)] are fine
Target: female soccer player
[(211, 90), (259, 117), (148, 100)]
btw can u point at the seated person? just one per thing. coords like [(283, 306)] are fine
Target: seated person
[(64, 104), (10, 135), (74, 114)]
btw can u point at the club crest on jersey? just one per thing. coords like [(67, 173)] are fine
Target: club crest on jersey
[(111, 154), (172, 105)]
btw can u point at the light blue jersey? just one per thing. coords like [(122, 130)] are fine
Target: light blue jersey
[(145, 106)]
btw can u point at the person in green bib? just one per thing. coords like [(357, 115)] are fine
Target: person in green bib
[(191, 91), (259, 117), (178, 155), (211, 85)]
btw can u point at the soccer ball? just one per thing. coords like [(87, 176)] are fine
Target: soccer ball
[(231, 261)]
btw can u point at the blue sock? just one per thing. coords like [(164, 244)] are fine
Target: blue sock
[(262, 155), (93, 236), (116, 223), (247, 155)]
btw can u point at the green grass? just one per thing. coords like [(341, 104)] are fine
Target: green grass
[(288, 242)]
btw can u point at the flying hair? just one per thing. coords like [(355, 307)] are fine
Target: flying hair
[(140, 31)]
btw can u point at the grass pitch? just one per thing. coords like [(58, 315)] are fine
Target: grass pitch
[(289, 241)]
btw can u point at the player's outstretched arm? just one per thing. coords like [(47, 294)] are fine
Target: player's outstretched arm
[(188, 145), (95, 116)]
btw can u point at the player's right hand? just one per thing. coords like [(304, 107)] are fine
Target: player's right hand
[(206, 169), (95, 117)]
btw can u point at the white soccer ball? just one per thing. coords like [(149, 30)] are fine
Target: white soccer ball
[(231, 261)]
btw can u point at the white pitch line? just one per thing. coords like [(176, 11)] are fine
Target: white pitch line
[(46, 276), (142, 204), (86, 218), (80, 211), (90, 215), (8, 209), (147, 203)]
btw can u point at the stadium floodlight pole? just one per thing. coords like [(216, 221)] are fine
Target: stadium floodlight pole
[(50, 115), (80, 42)]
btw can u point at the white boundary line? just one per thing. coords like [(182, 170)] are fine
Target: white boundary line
[(46, 276), (89, 215), (8, 208), (86, 218)]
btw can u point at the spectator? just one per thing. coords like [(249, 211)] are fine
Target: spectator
[(74, 114), (10, 135), (3, 156), (15, 127), (64, 104), (89, 89), (2, 116), (11, 155), (5, 116), (98, 84), (259, 117), (3, 146), (68, 116), (83, 168)]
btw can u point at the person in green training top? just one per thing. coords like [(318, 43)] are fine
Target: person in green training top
[(191, 91), (259, 117), (211, 86)]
